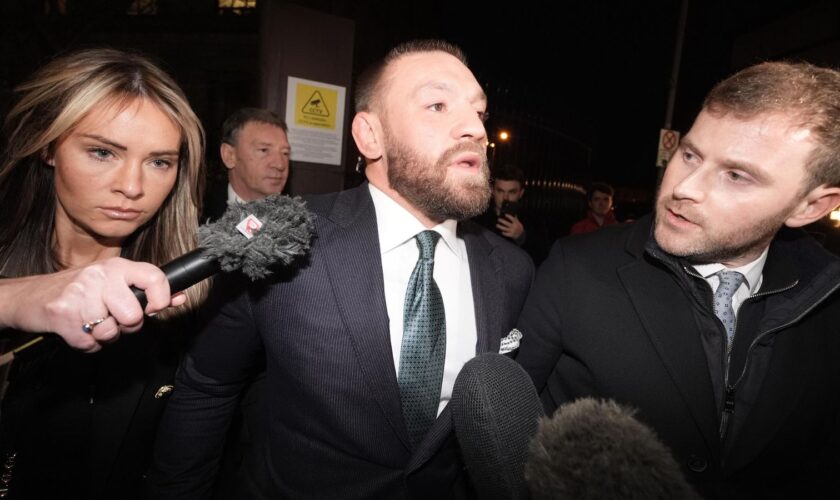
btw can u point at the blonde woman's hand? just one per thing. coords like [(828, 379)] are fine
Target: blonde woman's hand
[(87, 306)]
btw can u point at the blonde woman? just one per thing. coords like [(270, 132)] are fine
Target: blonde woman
[(103, 164)]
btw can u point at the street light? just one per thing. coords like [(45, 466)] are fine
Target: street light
[(503, 136)]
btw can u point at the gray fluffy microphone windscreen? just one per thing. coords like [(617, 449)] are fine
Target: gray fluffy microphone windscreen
[(495, 412), (285, 234), (278, 228), (594, 449)]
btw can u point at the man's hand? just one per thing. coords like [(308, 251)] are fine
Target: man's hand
[(510, 226), (70, 302)]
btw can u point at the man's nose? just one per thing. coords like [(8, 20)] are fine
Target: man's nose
[(693, 185), (470, 126)]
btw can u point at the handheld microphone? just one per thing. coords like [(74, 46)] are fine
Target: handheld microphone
[(595, 449), (282, 231), (495, 411)]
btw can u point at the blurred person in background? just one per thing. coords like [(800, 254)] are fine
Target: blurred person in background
[(255, 152), (600, 212), (508, 217)]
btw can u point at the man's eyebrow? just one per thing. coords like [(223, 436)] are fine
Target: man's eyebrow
[(728, 163), (685, 142), (479, 96), (434, 85), (751, 168)]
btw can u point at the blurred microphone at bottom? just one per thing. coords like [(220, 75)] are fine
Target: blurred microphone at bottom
[(495, 412), (596, 449), (589, 449)]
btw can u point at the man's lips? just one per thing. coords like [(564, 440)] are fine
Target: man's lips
[(677, 219), (466, 160)]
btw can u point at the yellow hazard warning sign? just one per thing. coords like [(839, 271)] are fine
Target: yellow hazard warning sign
[(315, 115), (315, 106)]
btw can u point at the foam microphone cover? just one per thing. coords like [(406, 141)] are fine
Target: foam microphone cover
[(285, 234), (495, 412), (593, 449)]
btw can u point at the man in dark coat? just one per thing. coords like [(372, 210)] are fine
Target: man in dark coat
[(716, 318), (332, 327), (255, 152), (507, 216)]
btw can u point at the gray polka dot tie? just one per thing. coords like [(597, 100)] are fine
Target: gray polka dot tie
[(423, 347), (729, 283)]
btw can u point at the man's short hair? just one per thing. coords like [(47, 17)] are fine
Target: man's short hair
[(367, 85), (509, 172), (601, 187), (807, 93), (242, 116)]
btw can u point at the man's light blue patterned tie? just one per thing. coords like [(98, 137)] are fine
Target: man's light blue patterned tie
[(423, 347), (729, 283)]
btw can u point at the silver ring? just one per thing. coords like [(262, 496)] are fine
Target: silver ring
[(89, 326)]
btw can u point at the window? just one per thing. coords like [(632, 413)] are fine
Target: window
[(237, 7)]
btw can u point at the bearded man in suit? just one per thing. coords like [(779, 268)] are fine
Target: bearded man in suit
[(338, 330)]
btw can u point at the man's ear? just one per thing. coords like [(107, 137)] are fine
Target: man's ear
[(816, 204), (228, 155), (367, 132)]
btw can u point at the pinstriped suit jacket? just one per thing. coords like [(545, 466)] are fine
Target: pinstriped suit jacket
[(335, 427)]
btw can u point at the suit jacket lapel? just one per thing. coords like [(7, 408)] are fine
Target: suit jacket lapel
[(354, 264), (487, 289), (674, 335)]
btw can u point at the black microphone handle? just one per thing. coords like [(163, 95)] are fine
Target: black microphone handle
[(184, 272)]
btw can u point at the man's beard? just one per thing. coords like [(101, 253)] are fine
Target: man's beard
[(726, 250), (725, 245), (429, 187)]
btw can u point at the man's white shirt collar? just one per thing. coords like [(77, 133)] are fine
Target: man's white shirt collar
[(396, 225), (233, 197), (752, 271)]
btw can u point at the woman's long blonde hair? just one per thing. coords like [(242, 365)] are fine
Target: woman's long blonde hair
[(49, 106)]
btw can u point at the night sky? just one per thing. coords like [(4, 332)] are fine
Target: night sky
[(595, 71)]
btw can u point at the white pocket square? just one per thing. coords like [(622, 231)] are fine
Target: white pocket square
[(511, 342)]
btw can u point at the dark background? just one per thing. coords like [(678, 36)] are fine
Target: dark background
[(581, 85)]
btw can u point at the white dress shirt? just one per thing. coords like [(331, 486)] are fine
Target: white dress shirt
[(398, 247), (233, 197), (753, 272)]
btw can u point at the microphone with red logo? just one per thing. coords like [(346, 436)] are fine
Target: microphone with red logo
[(250, 237)]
